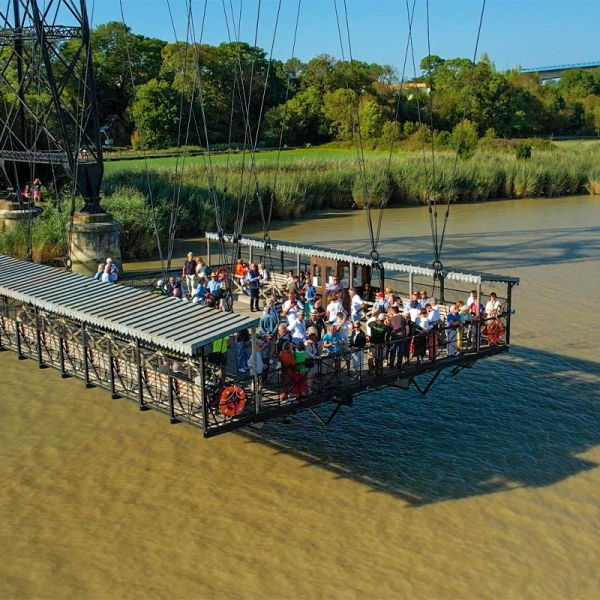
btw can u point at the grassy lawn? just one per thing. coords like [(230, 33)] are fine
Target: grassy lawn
[(264, 157)]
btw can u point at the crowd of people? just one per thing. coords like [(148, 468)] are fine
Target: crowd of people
[(299, 329), (302, 332)]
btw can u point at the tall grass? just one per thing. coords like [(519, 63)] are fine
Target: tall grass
[(299, 181)]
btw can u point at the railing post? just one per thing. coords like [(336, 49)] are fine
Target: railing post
[(255, 376), (508, 311), (61, 356), (203, 395), (111, 368), (86, 367), (138, 366), (208, 251), (38, 337), (171, 398), (410, 284), (282, 262), (18, 339)]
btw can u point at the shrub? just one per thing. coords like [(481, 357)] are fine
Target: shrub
[(523, 151)]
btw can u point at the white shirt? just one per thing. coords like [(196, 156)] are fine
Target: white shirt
[(333, 308), (297, 328), (344, 331), (355, 305), (492, 307), (434, 315)]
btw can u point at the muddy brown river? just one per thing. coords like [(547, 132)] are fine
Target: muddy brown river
[(488, 487)]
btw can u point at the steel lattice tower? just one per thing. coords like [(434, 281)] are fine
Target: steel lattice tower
[(48, 106)]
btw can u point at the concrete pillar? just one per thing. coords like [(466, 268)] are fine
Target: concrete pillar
[(11, 215), (95, 238)]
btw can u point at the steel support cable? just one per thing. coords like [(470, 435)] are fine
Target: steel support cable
[(260, 114), (411, 14), (242, 97), (144, 154), (461, 132), (287, 92), (267, 221), (259, 122), (432, 212), (402, 79), (245, 101), (179, 174), (359, 148), (207, 160)]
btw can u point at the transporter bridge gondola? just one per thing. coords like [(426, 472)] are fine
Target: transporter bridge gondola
[(179, 358)]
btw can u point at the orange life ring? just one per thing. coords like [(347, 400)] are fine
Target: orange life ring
[(232, 400), (494, 331)]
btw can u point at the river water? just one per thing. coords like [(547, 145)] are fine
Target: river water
[(487, 487)]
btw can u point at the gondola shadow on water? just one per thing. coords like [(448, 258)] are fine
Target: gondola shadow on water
[(522, 422)]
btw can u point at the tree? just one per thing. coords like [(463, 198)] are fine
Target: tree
[(156, 114), (301, 118), (371, 119), (120, 56), (340, 111), (430, 65), (464, 139), (319, 73)]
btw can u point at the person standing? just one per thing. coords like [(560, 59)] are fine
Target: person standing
[(188, 273), (253, 277), (356, 306)]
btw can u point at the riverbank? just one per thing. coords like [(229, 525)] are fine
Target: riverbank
[(140, 193)]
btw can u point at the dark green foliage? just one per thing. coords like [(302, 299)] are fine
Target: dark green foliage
[(523, 151)]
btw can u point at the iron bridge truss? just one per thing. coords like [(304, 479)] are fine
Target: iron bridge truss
[(50, 113)]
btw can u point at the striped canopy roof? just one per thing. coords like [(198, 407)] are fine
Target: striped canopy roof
[(168, 323)]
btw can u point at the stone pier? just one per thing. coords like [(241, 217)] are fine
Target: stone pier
[(12, 215), (95, 238)]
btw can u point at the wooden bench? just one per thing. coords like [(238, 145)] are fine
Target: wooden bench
[(274, 285)]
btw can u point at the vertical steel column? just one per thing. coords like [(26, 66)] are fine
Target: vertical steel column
[(138, 365), (508, 311), (255, 376), (298, 263), (203, 394), (208, 252), (38, 337), (86, 367), (171, 398), (250, 258), (411, 284), (111, 368), (351, 276), (282, 262), (18, 339), (3, 324), (61, 356)]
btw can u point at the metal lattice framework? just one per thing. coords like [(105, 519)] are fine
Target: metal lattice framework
[(48, 109)]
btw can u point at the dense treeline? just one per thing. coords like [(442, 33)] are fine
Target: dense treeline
[(178, 93)]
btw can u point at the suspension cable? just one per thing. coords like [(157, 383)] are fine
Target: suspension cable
[(411, 14), (432, 211), (144, 153), (179, 175), (267, 221), (461, 131)]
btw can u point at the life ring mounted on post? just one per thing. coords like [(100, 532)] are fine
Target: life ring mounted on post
[(493, 331), (232, 400)]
